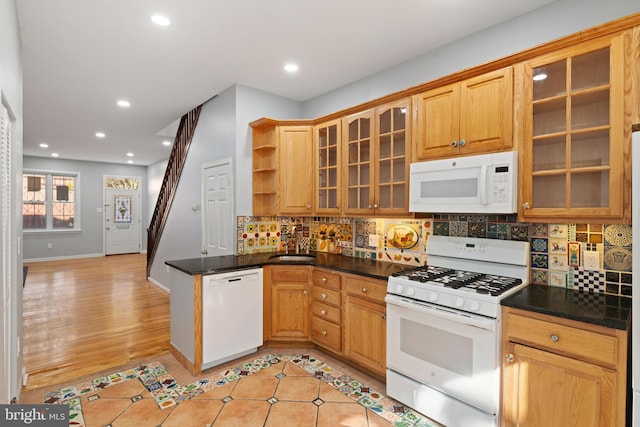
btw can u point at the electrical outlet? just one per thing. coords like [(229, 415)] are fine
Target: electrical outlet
[(591, 260), (49, 245), (374, 239)]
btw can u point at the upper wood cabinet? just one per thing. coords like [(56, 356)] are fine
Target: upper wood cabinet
[(468, 117), (264, 176), (574, 133), (295, 168), (376, 154), (328, 190), (282, 178)]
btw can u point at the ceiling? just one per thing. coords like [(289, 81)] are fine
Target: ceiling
[(80, 57)]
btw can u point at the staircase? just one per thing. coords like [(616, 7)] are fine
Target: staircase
[(170, 182)]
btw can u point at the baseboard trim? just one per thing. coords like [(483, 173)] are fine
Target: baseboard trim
[(58, 258), (160, 285), (184, 361)]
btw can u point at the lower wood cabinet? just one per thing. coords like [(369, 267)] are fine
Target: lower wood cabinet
[(288, 299), (559, 372), (326, 310), (340, 312), (365, 322)]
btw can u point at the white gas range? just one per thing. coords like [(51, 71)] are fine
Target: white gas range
[(444, 328)]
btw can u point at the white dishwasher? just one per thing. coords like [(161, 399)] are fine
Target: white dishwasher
[(231, 315)]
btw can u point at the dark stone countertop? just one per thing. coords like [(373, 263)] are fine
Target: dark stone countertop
[(346, 264), (597, 309)]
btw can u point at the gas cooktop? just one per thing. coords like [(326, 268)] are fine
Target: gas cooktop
[(469, 281)]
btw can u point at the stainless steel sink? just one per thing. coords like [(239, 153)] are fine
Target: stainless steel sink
[(292, 257)]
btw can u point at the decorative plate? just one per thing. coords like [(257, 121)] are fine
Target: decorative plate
[(402, 237)]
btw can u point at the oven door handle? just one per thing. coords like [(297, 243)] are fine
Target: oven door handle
[(443, 313)]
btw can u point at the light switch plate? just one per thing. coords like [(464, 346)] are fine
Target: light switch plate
[(374, 239), (591, 260)]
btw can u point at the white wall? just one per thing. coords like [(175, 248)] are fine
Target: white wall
[(11, 98), (222, 131), (89, 241), (557, 19)]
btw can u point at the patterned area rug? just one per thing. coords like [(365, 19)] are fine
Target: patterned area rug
[(167, 392)]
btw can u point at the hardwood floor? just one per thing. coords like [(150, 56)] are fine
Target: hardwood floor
[(83, 316)]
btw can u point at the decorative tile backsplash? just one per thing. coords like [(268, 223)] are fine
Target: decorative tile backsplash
[(592, 257)]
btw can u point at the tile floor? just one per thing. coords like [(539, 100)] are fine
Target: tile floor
[(282, 387)]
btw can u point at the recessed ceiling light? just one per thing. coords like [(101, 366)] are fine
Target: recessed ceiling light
[(124, 103), (54, 154), (167, 143), (44, 145), (129, 154), (291, 68), (100, 135), (163, 21)]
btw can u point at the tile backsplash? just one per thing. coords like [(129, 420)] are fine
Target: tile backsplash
[(592, 257)]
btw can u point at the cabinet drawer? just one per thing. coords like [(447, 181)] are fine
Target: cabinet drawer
[(374, 290), (326, 334), (324, 311), (326, 279), (290, 274), (326, 295), (571, 341)]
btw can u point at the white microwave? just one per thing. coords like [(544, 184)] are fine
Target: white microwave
[(484, 183)]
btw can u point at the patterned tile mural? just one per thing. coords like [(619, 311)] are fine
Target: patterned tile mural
[(592, 257)]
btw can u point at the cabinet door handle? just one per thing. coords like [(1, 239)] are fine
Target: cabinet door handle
[(364, 290), (308, 206), (454, 143), (375, 206), (526, 205), (323, 296), (384, 317), (462, 142), (509, 358), (554, 338), (324, 333), (305, 293), (323, 312), (324, 280)]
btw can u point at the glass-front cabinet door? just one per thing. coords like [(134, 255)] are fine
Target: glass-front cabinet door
[(358, 163), (376, 160), (574, 133), (328, 174), (392, 164)]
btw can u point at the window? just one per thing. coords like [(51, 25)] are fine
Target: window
[(49, 201)]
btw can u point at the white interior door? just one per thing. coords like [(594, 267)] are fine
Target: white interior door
[(122, 218), (218, 225)]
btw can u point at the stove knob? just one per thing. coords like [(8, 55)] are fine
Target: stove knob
[(399, 289), (474, 306), (459, 302), (411, 292), (433, 297)]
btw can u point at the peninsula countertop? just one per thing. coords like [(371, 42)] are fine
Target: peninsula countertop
[(346, 264)]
